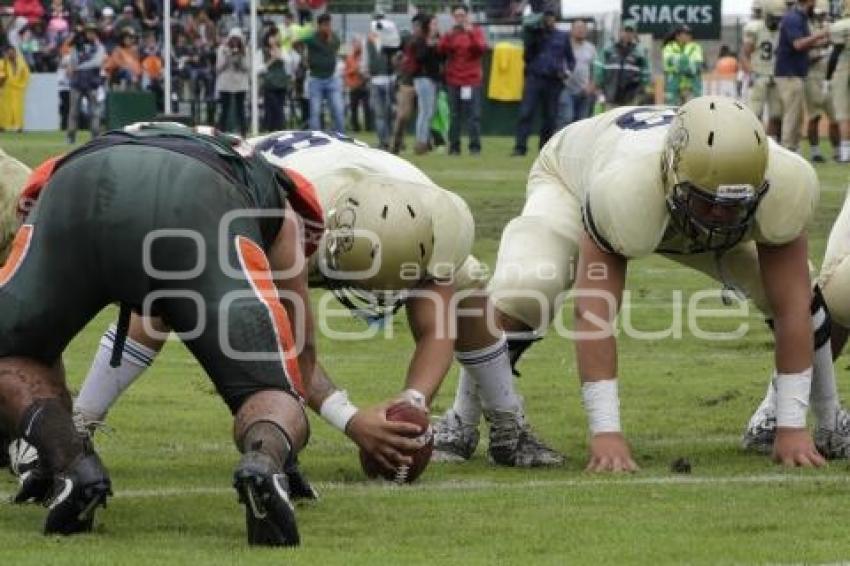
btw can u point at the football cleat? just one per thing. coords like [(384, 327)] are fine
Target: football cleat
[(760, 432), (835, 444), (300, 488), (513, 443), (76, 495), (269, 513), (454, 441), (35, 487)]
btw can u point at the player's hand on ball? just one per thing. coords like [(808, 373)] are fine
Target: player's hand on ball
[(609, 452), (386, 441), (794, 447)]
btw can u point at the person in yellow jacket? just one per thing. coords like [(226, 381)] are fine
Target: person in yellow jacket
[(683, 60), (14, 77)]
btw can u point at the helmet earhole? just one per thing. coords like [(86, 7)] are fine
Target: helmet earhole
[(410, 210), (710, 138), (384, 212)]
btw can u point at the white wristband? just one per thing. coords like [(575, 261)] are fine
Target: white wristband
[(602, 405), (337, 410), (415, 398), (792, 398)]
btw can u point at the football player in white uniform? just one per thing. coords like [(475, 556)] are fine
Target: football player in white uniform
[(701, 185), (372, 201), (832, 435), (816, 90), (838, 75), (757, 60)]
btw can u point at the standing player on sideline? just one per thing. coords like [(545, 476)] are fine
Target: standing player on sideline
[(109, 198), (713, 195), (426, 235), (816, 90), (758, 59), (838, 75)]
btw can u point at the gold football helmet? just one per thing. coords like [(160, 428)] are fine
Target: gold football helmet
[(378, 243), (713, 165)]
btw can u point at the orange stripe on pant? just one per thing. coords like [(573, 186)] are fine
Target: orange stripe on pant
[(257, 269), (20, 247)]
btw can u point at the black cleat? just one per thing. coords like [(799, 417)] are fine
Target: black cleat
[(36, 487), (76, 494), (269, 514), (300, 488)]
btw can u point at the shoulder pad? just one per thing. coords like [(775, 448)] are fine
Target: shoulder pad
[(790, 201)]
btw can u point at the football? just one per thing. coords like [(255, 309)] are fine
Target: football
[(407, 412)]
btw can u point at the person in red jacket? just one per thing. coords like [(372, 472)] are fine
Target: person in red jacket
[(32, 10), (463, 47)]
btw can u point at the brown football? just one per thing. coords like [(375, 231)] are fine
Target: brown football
[(404, 411)]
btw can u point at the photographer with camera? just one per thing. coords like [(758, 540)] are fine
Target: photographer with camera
[(549, 61), (85, 60), (382, 43), (232, 81)]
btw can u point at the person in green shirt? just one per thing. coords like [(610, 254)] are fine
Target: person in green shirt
[(322, 49)]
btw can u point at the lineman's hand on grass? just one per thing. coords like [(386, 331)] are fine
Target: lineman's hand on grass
[(386, 441), (794, 447), (609, 452)]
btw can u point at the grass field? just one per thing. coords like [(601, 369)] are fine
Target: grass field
[(171, 458)]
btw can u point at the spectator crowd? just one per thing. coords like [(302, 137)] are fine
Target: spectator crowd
[(428, 78)]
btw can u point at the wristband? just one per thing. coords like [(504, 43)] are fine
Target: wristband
[(792, 398), (602, 405), (415, 398), (337, 410)]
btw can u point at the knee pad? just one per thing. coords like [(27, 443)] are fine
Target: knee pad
[(278, 408)]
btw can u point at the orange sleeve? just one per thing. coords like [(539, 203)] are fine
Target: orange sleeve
[(34, 185), (305, 202)]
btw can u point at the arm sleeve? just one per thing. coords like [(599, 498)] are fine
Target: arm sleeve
[(478, 45), (598, 68), (569, 55), (444, 47), (794, 29)]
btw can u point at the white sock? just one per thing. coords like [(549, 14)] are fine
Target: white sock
[(467, 404), (104, 383), (490, 369), (824, 398)]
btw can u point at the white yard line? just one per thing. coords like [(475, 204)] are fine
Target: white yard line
[(480, 485)]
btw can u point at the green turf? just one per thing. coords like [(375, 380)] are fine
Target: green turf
[(170, 454)]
